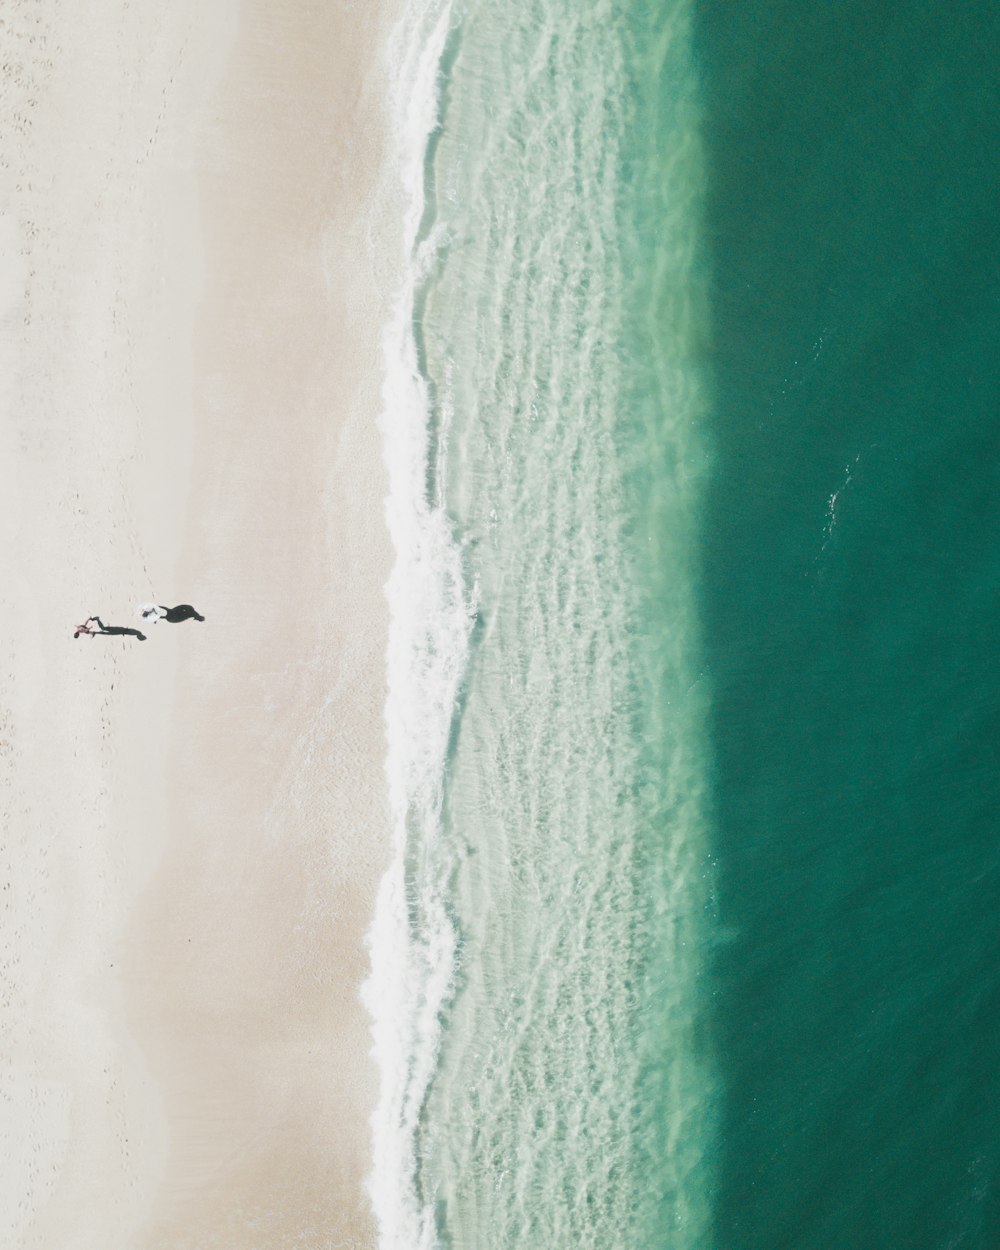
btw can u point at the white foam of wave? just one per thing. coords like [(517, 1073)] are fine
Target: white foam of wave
[(412, 941)]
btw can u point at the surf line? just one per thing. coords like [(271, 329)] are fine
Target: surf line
[(412, 942)]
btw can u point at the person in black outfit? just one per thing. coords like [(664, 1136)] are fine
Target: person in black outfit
[(183, 612), (88, 628)]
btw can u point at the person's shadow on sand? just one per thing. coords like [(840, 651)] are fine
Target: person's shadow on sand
[(183, 612)]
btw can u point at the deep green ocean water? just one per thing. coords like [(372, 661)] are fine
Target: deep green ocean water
[(850, 600), (699, 894)]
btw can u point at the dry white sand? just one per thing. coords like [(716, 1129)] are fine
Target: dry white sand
[(195, 221)]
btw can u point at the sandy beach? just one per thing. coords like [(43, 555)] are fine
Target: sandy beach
[(198, 240)]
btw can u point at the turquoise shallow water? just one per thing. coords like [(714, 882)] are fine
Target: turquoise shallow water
[(573, 1095), (703, 884)]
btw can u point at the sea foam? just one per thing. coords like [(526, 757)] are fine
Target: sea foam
[(431, 615)]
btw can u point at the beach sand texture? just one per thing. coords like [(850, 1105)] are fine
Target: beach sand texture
[(198, 249)]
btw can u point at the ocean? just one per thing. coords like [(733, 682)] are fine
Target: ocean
[(690, 421)]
